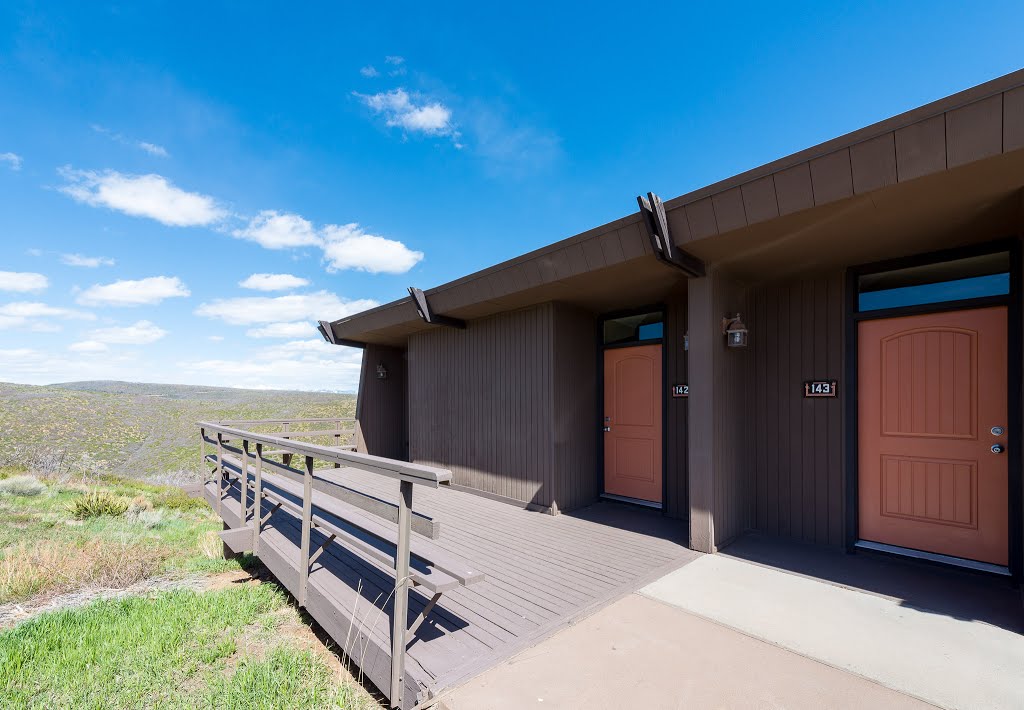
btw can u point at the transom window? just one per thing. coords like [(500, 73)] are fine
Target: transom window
[(957, 280), (633, 329)]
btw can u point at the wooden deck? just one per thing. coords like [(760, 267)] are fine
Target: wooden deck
[(541, 572)]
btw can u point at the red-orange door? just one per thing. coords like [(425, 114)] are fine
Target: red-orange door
[(930, 390), (632, 420)]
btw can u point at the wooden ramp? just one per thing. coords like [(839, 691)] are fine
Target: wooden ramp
[(540, 573)]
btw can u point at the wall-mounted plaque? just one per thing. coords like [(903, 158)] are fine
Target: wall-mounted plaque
[(820, 388), (680, 390)]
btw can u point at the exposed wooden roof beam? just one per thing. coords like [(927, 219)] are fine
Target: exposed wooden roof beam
[(653, 211), (327, 331), (419, 299)]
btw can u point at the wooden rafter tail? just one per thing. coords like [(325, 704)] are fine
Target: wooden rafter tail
[(327, 331), (419, 299), (652, 209)]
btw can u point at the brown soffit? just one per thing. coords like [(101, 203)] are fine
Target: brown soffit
[(928, 139)]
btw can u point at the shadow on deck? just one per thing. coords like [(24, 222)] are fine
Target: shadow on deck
[(542, 573)]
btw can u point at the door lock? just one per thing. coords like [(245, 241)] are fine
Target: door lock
[(997, 431), (998, 448)]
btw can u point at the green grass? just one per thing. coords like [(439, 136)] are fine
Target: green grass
[(181, 649)]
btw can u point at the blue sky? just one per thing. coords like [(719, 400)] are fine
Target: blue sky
[(155, 156)]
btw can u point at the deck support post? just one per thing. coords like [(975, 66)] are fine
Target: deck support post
[(257, 504), (220, 473), (401, 601), (307, 524)]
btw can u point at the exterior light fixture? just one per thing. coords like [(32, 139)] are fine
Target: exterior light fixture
[(382, 372), (735, 332)]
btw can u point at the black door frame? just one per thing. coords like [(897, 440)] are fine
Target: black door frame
[(1015, 396), (601, 347)]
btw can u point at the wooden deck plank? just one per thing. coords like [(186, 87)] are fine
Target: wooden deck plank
[(541, 573)]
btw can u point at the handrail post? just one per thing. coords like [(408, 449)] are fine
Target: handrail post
[(202, 451), (244, 481), (337, 441), (220, 472), (286, 457), (401, 601), (257, 504), (307, 523)]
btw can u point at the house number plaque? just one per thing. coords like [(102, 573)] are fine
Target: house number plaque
[(820, 388), (680, 390)]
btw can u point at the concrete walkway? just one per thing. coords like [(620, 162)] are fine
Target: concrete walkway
[(726, 633)]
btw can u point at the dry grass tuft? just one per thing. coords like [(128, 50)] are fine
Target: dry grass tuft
[(55, 567), (211, 545)]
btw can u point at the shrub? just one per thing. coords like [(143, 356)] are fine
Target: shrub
[(138, 505), (151, 519), (21, 486), (97, 503), (178, 499)]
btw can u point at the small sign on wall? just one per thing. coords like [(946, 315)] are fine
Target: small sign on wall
[(680, 390), (820, 388)]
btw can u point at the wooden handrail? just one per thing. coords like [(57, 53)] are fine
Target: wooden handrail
[(407, 474), (402, 470)]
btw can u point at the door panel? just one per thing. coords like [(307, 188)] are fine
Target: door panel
[(632, 415), (930, 389)]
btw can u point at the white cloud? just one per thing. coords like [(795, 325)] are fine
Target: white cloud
[(298, 329), (151, 148), (139, 333), (147, 291), (349, 247), (215, 338), (397, 65), (38, 317), (412, 112), (22, 281), (149, 195), (276, 230), (12, 159), (369, 71), (89, 262), (273, 282), (299, 364), (88, 346), (320, 305)]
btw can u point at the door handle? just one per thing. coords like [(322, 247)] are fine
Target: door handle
[(608, 428), (998, 448)]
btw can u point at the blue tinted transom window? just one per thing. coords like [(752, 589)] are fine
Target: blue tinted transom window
[(959, 280)]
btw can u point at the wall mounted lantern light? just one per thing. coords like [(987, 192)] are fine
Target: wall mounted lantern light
[(735, 332), (382, 372)]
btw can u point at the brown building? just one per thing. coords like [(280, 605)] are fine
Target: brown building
[(825, 348)]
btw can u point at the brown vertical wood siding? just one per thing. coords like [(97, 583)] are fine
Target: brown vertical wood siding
[(798, 443), (381, 404), (507, 403), (732, 418), (676, 409)]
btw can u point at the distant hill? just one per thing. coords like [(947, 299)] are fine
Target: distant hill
[(176, 391), (136, 429)]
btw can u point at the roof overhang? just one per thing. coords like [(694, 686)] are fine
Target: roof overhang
[(947, 173)]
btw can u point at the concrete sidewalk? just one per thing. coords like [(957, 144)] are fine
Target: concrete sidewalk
[(727, 633), (642, 653)]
